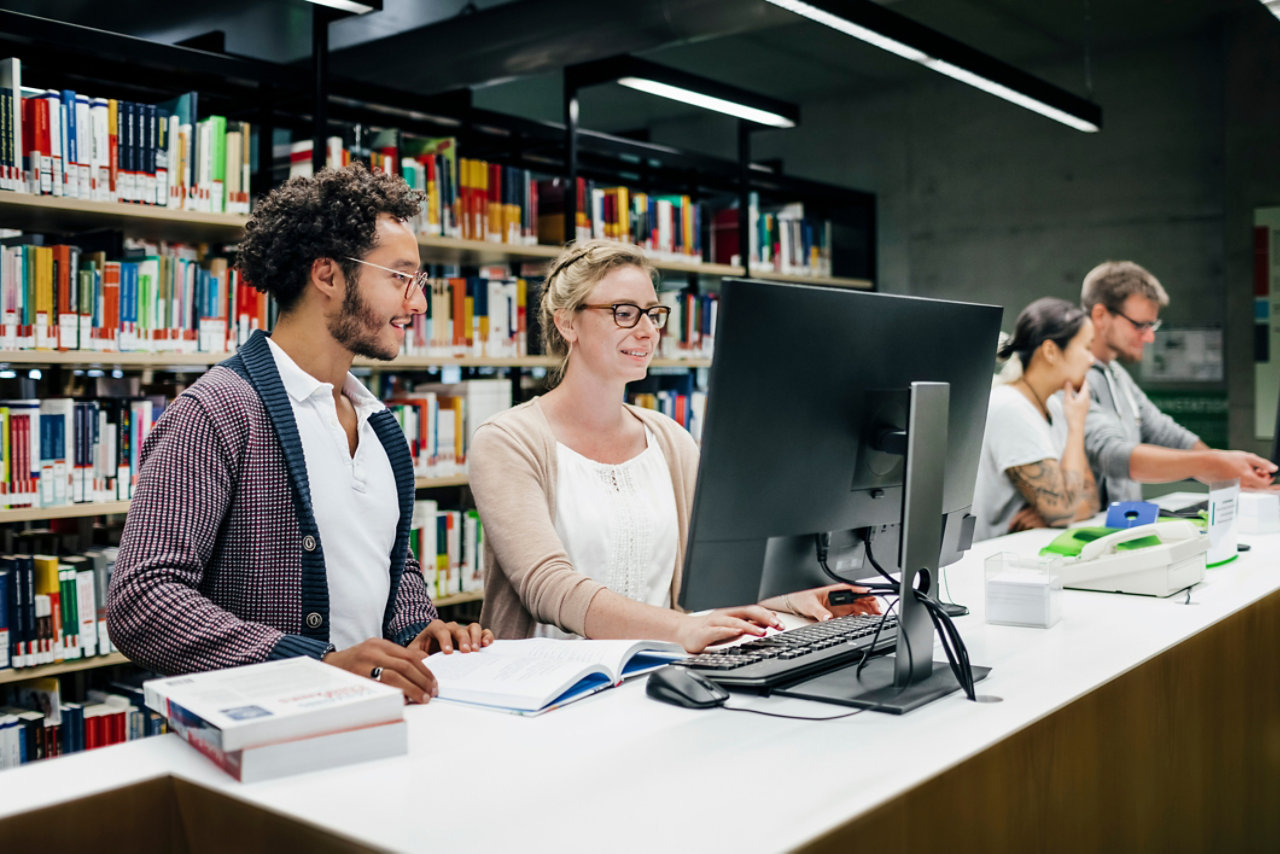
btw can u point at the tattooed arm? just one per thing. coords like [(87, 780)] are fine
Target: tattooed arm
[(1059, 491), (1055, 491)]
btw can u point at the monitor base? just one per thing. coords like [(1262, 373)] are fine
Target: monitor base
[(874, 689)]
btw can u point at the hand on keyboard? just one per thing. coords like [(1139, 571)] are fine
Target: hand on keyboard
[(699, 631), (813, 603)]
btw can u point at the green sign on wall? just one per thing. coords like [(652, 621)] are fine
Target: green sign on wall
[(1202, 412)]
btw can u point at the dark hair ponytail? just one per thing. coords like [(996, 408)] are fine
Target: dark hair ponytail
[(1046, 319)]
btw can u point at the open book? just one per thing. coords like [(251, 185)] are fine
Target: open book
[(540, 674)]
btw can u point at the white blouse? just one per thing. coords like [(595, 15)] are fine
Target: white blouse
[(618, 523)]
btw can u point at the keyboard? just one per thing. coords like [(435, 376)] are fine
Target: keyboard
[(785, 657)]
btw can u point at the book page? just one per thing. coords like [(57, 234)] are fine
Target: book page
[(610, 655), (498, 678)]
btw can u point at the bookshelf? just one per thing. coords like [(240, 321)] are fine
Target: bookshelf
[(21, 674), (55, 213), (458, 599), (64, 511)]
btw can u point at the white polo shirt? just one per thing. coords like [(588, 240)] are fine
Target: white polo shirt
[(354, 498)]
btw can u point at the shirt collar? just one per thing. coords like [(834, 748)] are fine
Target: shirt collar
[(301, 385)]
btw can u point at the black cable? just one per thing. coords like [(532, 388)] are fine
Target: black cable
[(793, 717), (943, 624)]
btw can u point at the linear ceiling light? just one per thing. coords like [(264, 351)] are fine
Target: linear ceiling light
[(902, 36), (355, 7), (691, 89)]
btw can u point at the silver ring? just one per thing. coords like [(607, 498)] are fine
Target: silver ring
[(376, 674)]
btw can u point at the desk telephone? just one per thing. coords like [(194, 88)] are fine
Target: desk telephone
[(1150, 560)]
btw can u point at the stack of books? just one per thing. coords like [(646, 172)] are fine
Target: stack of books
[(268, 720)]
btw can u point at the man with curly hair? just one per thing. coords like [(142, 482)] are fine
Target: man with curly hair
[(271, 515)]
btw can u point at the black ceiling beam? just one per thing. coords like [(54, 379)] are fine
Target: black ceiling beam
[(138, 60)]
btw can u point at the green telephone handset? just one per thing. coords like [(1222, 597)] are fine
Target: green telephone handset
[(1088, 542)]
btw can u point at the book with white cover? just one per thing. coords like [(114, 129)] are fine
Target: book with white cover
[(539, 674), (300, 755), (273, 701)]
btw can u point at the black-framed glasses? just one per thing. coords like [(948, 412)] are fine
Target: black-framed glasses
[(628, 314), (1140, 325), (420, 279)]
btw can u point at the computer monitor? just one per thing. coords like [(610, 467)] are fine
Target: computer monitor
[(851, 413)]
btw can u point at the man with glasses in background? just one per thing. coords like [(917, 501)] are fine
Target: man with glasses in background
[(1127, 438), (272, 511)]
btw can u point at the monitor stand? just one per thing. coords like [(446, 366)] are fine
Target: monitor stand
[(909, 678), (875, 689)]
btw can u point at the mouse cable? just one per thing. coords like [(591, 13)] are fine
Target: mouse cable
[(793, 717)]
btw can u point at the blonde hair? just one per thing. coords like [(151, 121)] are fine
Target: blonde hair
[(570, 279)]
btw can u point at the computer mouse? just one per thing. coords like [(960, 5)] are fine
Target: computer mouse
[(683, 687)]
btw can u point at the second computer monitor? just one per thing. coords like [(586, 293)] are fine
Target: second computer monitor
[(805, 427)]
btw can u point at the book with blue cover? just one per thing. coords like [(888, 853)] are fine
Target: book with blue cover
[(536, 675)]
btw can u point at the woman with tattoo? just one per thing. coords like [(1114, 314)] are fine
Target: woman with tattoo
[(1033, 472)]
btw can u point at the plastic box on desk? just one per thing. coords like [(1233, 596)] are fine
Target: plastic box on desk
[(1022, 591), (1259, 512)]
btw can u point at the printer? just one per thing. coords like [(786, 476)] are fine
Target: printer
[(1159, 559)]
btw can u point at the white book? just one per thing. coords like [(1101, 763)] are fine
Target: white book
[(274, 701), (88, 612), (540, 674), (300, 755)]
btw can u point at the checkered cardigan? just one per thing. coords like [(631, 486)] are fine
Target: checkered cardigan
[(221, 561)]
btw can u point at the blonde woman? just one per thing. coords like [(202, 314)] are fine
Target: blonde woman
[(585, 500)]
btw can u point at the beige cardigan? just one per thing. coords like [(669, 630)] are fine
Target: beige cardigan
[(528, 576)]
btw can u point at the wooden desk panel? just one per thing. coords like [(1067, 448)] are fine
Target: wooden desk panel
[(1181, 753)]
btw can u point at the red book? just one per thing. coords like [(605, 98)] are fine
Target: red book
[(111, 305)]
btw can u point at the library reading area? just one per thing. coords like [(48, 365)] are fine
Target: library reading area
[(468, 425)]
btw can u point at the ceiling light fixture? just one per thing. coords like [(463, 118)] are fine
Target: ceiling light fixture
[(655, 79), (902, 36), (355, 7)]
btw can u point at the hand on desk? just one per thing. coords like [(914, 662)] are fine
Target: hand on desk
[(395, 665), (1253, 471), (813, 603), (696, 632), (401, 666), (1026, 519), (440, 636)]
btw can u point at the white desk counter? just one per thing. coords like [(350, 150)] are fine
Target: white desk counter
[(1098, 717)]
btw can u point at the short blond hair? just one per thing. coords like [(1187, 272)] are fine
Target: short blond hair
[(1112, 282), (570, 279)]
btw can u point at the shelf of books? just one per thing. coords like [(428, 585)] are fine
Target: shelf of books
[(440, 482), (21, 674), (64, 511), (32, 212), (459, 599)]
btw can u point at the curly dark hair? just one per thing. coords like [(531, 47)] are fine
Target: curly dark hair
[(331, 215)]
